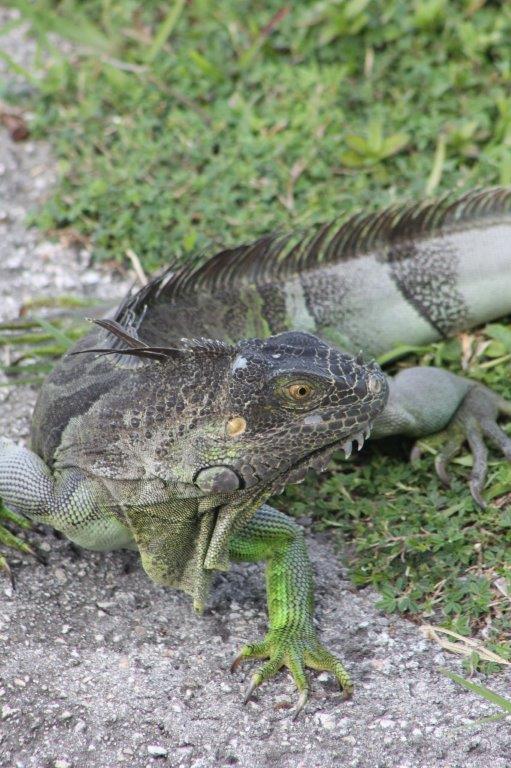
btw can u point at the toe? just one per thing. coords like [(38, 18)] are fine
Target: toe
[(480, 468), (253, 651)]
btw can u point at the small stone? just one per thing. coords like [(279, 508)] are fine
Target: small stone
[(60, 763), (326, 720), (8, 711), (156, 751)]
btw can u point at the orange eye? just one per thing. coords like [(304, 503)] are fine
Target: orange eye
[(300, 391)]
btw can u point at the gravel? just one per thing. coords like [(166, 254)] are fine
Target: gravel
[(100, 667)]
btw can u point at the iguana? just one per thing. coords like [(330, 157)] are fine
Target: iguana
[(144, 439)]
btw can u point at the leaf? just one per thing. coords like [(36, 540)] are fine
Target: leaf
[(499, 333), (357, 143), (394, 144)]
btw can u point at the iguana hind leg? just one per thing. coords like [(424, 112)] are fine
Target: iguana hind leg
[(71, 502), (291, 640), (424, 401)]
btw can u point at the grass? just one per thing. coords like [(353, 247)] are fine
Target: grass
[(175, 124)]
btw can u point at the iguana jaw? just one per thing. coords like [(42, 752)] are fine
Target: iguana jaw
[(318, 460)]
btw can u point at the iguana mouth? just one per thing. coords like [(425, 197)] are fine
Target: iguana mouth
[(320, 458)]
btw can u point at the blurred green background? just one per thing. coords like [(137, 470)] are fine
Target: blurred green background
[(180, 123)]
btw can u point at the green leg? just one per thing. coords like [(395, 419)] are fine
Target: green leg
[(291, 640)]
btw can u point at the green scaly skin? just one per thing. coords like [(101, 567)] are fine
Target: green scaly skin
[(291, 640)]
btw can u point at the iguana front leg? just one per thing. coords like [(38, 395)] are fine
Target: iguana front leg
[(70, 502), (423, 401), (291, 640)]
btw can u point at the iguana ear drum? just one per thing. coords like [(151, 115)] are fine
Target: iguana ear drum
[(219, 479)]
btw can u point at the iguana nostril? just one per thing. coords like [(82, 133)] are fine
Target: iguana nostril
[(220, 479)]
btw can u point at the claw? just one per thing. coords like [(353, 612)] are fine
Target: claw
[(302, 701), (359, 440), (415, 453), (251, 688), (347, 448), (347, 693), (4, 566), (441, 470), (475, 490), (236, 662)]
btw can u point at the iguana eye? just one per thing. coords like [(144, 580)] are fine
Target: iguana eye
[(300, 390)]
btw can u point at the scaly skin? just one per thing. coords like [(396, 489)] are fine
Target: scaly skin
[(176, 456), (291, 640), (406, 275)]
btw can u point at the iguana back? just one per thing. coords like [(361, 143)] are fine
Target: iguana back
[(408, 274)]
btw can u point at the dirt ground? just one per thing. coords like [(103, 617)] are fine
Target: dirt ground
[(100, 668)]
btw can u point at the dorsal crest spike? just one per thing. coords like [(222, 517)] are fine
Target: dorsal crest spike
[(138, 348), (279, 255)]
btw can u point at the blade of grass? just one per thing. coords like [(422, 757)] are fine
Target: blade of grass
[(57, 334), (465, 647), (17, 68), (165, 30), (480, 690), (437, 168), (398, 352), (76, 26)]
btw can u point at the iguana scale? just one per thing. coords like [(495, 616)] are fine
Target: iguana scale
[(144, 439)]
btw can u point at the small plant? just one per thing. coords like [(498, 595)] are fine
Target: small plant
[(373, 148)]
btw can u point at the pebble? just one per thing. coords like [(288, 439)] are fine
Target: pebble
[(156, 751), (326, 720)]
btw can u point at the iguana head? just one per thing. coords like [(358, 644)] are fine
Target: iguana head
[(190, 439), (284, 405), (213, 418)]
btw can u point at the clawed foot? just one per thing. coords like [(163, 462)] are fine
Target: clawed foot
[(11, 541), (475, 420), (294, 649)]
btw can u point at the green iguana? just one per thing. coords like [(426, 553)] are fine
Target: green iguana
[(146, 440)]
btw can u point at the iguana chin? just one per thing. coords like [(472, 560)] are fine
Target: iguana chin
[(173, 446)]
